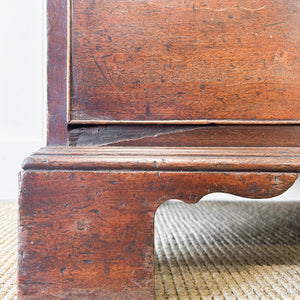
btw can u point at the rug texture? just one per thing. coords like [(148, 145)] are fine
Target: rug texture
[(8, 250), (209, 250)]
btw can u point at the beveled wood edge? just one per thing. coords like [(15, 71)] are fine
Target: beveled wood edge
[(69, 59), (258, 159), (185, 122), (223, 151)]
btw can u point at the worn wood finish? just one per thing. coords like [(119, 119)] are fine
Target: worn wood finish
[(89, 235), (166, 159), (57, 71), (87, 213), (186, 136), (104, 135), (185, 61)]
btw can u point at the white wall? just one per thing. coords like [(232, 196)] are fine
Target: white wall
[(23, 90), (22, 87)]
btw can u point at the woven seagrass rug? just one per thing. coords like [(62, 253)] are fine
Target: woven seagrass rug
[(8, 250), (209, 250)]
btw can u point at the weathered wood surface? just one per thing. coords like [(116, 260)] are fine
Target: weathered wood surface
[(186, 136), (104, 135), (58, 57), (89, 235), (185, 61), (166, 159), (87, 213)]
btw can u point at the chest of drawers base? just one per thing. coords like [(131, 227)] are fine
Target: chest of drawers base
[(87, 214), (150, 101)]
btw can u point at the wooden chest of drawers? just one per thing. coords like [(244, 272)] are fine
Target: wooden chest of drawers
[(148, 101)]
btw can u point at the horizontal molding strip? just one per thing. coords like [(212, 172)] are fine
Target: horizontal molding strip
[(166, 159), (185, 122)]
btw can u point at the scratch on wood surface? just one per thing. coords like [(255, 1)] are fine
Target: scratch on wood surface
[(273, 24), (112, 135), (229, 8), (252, 9), (154, 135), (101, 71), (136, 283)]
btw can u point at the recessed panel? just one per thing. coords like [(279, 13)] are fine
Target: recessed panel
[(185, 61)]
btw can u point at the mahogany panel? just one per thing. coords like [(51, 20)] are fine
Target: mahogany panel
[(102, 247), (186, 136), (185, 61)]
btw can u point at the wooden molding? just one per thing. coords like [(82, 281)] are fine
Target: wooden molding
[(187, 122), (269, 159)]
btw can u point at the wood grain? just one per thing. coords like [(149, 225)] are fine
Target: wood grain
[(185, 61), (166, 159), (58, 56), (89, 235), (87, 213), (186, 136)]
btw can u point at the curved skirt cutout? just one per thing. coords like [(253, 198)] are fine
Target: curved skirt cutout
[(292, 194), (90, 233)]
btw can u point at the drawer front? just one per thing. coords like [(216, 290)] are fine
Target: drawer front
[(180, 61)]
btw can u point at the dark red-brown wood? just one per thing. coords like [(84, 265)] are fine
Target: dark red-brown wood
[(86, 213), (57, 71), (270, 159), (89, 235), (186, 136), (185, 61)]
